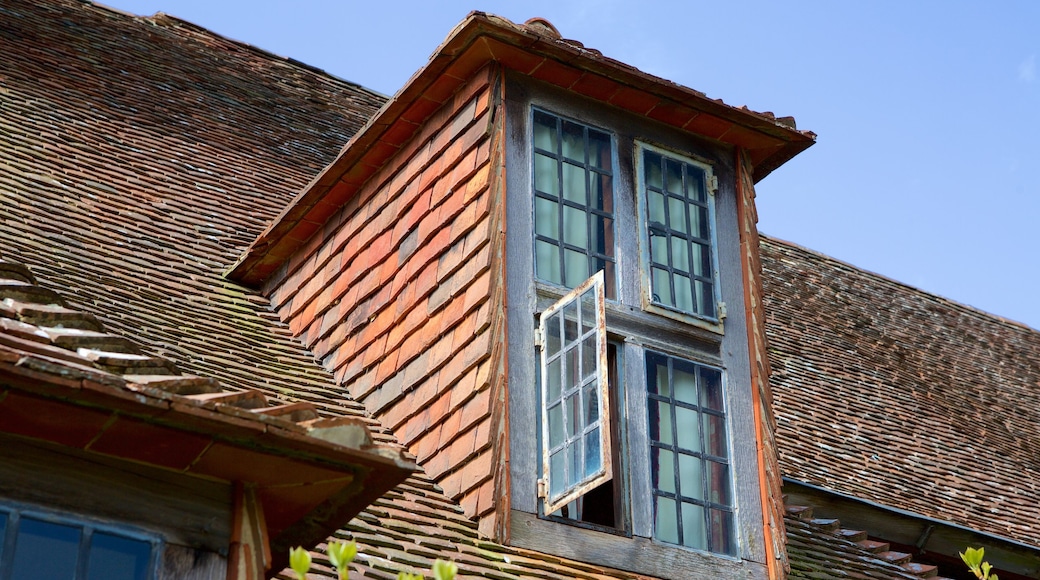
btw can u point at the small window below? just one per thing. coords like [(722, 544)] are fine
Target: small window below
[(679, 234), (689, 455), (36, 546)]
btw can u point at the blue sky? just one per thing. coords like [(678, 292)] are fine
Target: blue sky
[(927, 165)]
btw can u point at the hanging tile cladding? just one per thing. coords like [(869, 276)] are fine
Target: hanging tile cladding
[(901, 397), (394, 295), (772, 499)]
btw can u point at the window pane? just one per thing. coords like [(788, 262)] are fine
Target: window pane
[(684, 299), (694, 535), (691, 476), (599, 150), (592, 453), (589, 352), (688, 427), (546, 179), (681, 254), (718, 480), (600, 188), (711, 389), (544, 131), (666, 525), (546, 218), (576, 268), (591, 397), (722, 532), (652, 161), (574, 141), (684, 381), (661, 422), (574, 183), (115, 558), (3, 530), (547, 262), (715, 435), (655, 208), (556, 436), (575, 227), (664, 471), (662, 287), (554, 379), (673, 177), (557, 473), (45, 550)]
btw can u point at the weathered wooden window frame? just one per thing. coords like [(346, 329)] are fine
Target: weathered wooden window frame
[(634, 329), (14, 512), (713, 323), (597, 330)]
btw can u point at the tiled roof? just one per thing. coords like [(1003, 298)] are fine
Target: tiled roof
[(821, 548), (903, 398), (138, 159)]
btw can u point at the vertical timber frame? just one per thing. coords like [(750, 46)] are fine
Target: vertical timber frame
[(765, 423)]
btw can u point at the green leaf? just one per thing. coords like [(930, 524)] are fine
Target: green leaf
[(444, 570), (341, 554), (407, 576), (300, 561), (972, 557)]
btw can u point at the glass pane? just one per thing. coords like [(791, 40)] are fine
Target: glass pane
[(547, 262), (658, 248), (663, 427), (552, 330), (680, 254), (570, 325), (695, 183), (657, 375), (684, 382), (673, 177), (556, 436), (575, 227), (652, 161), (661, 285), (591, 404), (588, 311), (593, 462), (589, 357), (655, 208), (45, 550), (666, 526), (664, 474), (572, 416), (715, 435), (554, 380), (557, 473), (576, 268), (684, 299), (718, 481), (574, 184), (574, 141), (691, 476), (677, 214), (699, 221), (573, 378), (688, 428), (722, 532), (546, 178), (711, 389), (705, 298), (600, 193), (693, 526), (574, 452), (602, 240), (599, 150), (699, 262), (544, 132), (546, 218), (116, 558)]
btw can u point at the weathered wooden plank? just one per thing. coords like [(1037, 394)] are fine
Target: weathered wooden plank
[(182, 563), (182, 509)]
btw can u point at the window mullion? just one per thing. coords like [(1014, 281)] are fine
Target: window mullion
[(638, 435)]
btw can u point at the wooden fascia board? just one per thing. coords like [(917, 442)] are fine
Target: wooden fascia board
[(479, 39)]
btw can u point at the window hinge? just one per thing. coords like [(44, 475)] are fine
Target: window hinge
[(543, 490), (538, 337), (722, 310), (713, 184)]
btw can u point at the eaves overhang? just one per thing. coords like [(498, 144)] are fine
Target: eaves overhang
[(66, 381), (533, 51)]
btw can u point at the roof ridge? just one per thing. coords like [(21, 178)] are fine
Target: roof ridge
[(172, 22), (967, 308)]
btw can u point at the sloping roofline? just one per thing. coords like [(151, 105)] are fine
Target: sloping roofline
[(534, 51)]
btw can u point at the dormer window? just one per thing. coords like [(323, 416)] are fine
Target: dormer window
[(619, 347)]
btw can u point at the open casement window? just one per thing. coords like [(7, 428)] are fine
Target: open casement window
[(678, 198), (575, 433)]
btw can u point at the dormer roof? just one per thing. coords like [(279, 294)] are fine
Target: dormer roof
[(535, 50)]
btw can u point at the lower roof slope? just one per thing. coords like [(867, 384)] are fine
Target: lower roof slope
[(900, 397)]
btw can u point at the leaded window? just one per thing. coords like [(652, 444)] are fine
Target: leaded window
[(575, 416), (689, 454), (679, 233), (36, 546), (573, 201)]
